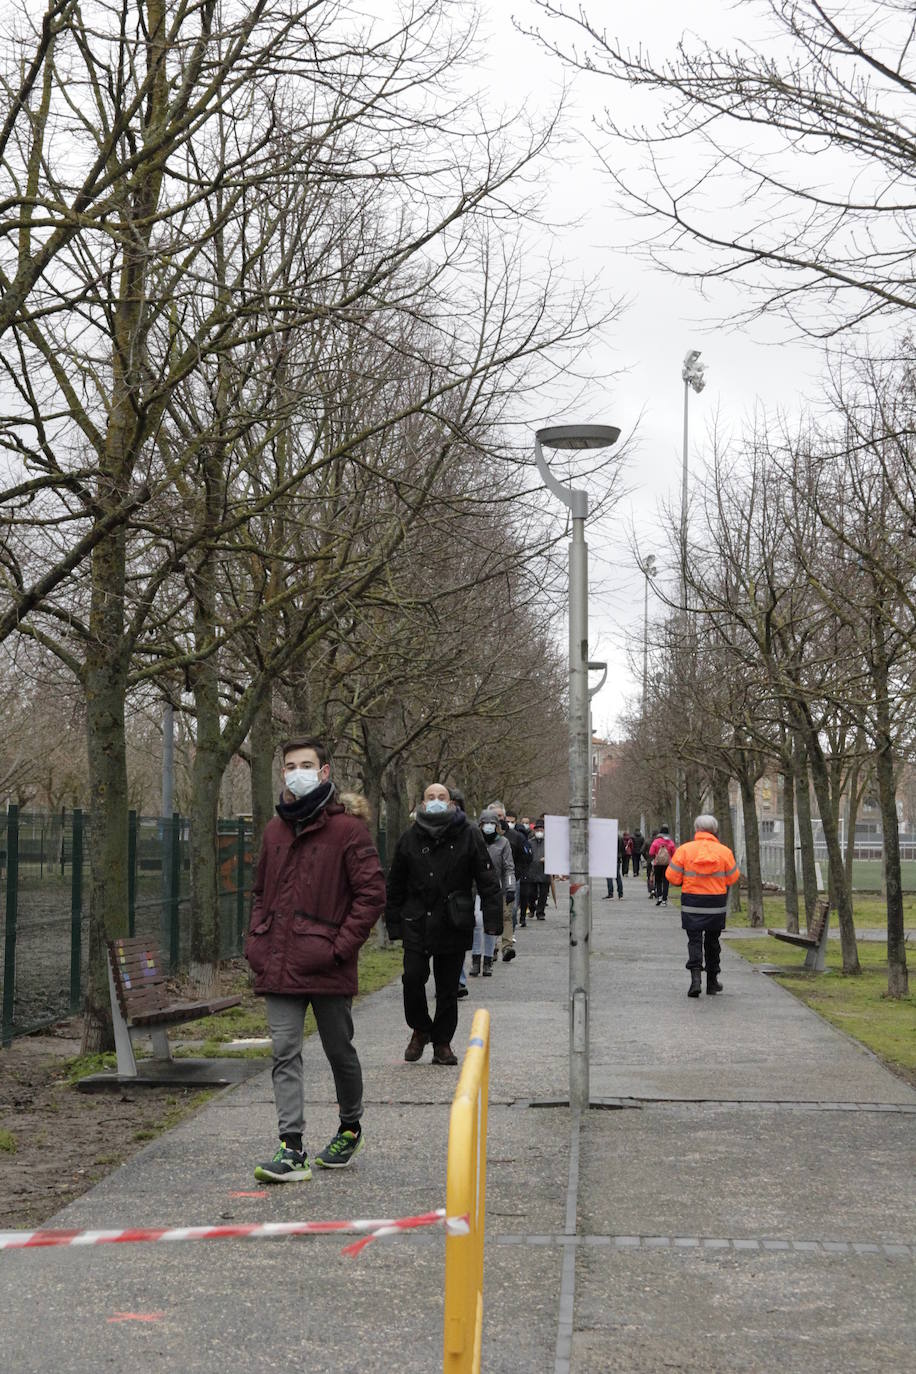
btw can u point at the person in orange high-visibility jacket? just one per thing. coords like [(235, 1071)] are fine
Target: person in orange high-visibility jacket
[(704, 870)]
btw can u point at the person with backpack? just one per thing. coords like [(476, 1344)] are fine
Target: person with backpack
[(660, 851)]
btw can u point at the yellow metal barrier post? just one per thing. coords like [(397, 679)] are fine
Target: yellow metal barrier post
[(466, 1195)]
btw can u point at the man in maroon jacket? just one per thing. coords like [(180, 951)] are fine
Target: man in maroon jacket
[(318, 892)]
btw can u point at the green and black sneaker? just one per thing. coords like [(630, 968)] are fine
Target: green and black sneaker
[(340, 1151), (287, 1166)]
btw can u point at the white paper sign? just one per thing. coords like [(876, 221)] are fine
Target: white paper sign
[(602, 846)]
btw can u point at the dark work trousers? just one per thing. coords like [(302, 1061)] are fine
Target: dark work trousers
[(286, 1019), (446, 968), (695, 942), (610, 883), (626, 864), (661, 882), (636, 859), (534, 899)]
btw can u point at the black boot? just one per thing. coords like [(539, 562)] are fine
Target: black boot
[(696, 983), (475, 965), (712, 984)]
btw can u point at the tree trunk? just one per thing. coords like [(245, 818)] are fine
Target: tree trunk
[(839, 889), (752, 850), (885, 777), (805, 831), (788, 849), (263, 791), (852, 808), (206, 775), (106, 689), (723, 813)]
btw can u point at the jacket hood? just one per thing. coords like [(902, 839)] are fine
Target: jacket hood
[(706, 853)]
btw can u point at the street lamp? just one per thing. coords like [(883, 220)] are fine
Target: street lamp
[(692, 375), (649, 571), (580, 908)]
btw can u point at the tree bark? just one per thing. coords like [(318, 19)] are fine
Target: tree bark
[(726, 830), (788, 848), (839, 890), (752, 850), (805, 831), (885, 776), (106, 687), (261, 741)]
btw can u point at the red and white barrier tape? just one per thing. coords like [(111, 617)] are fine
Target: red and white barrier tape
[(265, 1230)]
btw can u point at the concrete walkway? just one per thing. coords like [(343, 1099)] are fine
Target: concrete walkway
[(743, 1199)]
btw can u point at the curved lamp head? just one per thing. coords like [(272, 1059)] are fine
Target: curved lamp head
[(571, 437), (597, 668)]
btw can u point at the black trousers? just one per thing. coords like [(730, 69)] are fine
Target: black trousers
[(533, 898), (625, 864), (696, 939), (661, 883), (446, 968), (636, 859)]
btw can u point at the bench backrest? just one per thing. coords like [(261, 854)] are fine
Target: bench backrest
[(821, 912), (138, 976)]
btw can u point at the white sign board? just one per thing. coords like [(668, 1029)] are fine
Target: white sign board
[(602, 846)]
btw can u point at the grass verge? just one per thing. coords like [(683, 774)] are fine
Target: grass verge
[(377, 968), (858, 1005), (869, 911)]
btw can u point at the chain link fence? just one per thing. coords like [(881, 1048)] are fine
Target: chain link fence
[(44, 918)]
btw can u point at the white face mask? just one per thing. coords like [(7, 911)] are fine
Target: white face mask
[(488, 829), (301, 781), (538, 834)]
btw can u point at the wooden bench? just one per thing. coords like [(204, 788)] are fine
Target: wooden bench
[(815, 941), (140, 1005)]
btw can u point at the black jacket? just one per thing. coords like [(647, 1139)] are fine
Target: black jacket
[(521, 852), (431, 889)]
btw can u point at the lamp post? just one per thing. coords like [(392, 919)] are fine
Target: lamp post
[(692, 375), (649, 571), (577, 437)]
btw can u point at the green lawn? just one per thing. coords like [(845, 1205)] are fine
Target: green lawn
[(870, 912), (377, 968), (858, 1005)]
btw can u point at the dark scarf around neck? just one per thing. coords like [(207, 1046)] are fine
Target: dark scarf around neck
[(303, 809), (436, 824)]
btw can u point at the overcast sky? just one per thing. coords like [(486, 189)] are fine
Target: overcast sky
[(748, 368)]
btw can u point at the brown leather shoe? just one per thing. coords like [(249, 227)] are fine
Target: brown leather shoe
[(444, 1054), (416, 1046)]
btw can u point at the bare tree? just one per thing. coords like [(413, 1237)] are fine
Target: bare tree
[(785, 160)]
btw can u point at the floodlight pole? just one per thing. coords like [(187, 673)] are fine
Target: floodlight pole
[(580, 906)]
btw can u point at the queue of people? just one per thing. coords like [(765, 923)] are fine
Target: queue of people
[(454, 886)]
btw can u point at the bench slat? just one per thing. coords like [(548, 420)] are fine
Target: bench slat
[(790, 938), (183, 1011)]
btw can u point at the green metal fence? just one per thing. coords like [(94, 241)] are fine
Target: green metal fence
[(44, 872)]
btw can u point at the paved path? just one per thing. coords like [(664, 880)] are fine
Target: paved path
[(743, 1199)]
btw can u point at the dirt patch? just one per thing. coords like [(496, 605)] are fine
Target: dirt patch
[(55, 1142)]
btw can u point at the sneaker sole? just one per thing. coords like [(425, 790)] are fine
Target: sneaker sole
[(344, 1164), (299, 1176)]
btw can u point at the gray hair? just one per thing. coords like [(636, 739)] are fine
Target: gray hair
[(706, 823), (495, 806)]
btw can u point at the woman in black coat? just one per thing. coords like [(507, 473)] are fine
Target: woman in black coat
[(430, 906)]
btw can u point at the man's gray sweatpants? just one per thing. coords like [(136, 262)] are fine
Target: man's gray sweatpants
[(286, 1018)]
